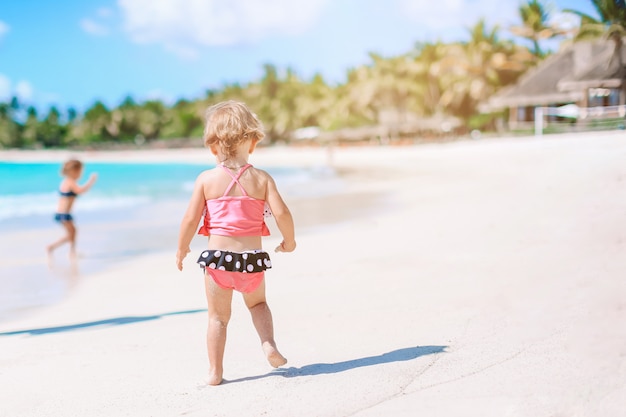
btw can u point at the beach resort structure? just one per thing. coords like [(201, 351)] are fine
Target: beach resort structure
[(582, 82)]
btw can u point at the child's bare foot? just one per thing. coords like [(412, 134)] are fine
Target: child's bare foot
[(215, 378), (273, 355), (49, 257)]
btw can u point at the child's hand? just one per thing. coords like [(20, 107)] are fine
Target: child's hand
[(93, 177), (286, 247), (180, 255)]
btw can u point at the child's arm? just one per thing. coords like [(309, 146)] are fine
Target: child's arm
[(283, 217), (190, 222), (79, 189)]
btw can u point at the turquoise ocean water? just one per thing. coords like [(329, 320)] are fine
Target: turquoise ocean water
[(133, 209), (28, 191)]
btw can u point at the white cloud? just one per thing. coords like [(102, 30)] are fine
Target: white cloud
[(104, 12), (444, 15), (93, 28), (24, 90), (4, 28), (185, 25), (567, 21), (5, 88), (186, 52), (100, 26)]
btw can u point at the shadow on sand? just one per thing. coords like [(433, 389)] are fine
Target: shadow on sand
[(398, 355), (117, 321)]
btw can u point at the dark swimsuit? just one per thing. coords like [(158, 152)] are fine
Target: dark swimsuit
[(65, 217)]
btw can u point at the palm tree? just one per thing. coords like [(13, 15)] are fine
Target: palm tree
[(430, 56), (535, 26), (611, 25), (151, 118), (474, 70), (387, 90), (284, 104), (275, 98), (316, 105), (95, 124), (123, 123), (51, 131), (30, 131), (184, 120), (9, 129)]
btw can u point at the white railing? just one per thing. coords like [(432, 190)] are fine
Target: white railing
[(574, 112)]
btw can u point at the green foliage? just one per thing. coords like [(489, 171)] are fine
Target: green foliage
[(483, 121), (610, 123), (610, 23), (535, 26), (9, 129), (432, 79), (50, 131)]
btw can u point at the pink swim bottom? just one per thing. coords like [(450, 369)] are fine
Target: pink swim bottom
[(240, 281)]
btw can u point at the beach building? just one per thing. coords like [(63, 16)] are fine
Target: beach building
[(567, 86)]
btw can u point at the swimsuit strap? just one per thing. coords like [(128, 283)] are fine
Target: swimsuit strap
[(235, 179)]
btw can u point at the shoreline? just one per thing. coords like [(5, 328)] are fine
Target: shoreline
[(481, 277), (62, 276), (46, 283)]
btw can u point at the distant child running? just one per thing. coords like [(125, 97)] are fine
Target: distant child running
[(234, 197), (69, 190)]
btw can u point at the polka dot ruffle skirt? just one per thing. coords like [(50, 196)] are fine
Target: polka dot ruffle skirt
[(235, 261)]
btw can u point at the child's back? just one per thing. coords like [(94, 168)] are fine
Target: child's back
[(235, 204)]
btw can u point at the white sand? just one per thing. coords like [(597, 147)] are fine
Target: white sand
[(486, 280)]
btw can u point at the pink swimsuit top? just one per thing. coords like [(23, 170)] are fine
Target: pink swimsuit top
[(234, 215)]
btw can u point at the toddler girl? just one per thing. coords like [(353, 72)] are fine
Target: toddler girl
[(233, 197)]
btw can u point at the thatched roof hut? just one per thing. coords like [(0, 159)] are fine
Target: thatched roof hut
[(587, 74)]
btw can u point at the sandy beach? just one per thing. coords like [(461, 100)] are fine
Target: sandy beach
[(472, 278)]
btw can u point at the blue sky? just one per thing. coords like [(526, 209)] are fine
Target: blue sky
[(74, 52)]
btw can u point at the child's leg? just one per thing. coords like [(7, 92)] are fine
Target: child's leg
[(70, 236), (218, 301), (262, 319), (51, 247)]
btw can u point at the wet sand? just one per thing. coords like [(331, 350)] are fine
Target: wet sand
[(472, 278)]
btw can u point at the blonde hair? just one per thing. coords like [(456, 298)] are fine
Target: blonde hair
[(71, 166), (230, 123)]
